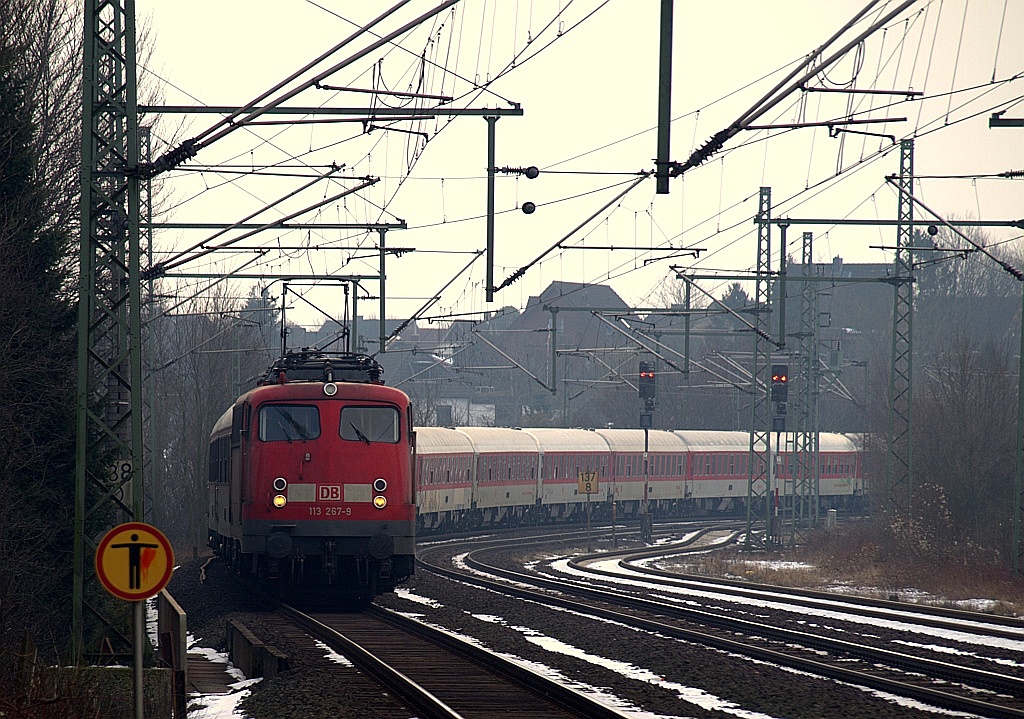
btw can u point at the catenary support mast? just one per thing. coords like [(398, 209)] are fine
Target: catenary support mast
[(758, 489), (899, 476), (109, 455)]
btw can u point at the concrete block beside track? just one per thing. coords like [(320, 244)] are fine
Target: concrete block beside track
[(251, 655)]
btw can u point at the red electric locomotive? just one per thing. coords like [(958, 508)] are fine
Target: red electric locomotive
[(311, 479)]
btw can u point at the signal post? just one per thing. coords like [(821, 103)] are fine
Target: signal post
[(134, 562), (647, 391), (779, 400)]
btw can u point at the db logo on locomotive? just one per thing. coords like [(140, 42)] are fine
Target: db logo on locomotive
[(328, 492)]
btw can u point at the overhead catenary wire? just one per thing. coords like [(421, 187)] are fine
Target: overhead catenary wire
[(180, 260), (387, 204), (782, 90), (522, 270), (430, 302), (862, 162), (293, 193), (233, 121), (270, 92), (1010, 269)]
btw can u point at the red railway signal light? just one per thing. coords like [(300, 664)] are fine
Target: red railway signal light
[(780, 383), (646, 381)]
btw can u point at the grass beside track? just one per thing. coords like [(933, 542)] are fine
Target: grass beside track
[(855, 560)]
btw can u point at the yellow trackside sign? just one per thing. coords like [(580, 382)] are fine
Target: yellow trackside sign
[(134, 561), (587, 482)]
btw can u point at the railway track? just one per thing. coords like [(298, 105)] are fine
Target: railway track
[(439, 676), (631, 560), (943, 683)]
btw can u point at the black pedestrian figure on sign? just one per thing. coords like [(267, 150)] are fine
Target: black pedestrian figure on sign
[(135, 548)]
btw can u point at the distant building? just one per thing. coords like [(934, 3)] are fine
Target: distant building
[(571, 356)]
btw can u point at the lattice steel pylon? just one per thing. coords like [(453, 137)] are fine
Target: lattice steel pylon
[(108, 479), (758, 489), (805, 437), (151, 470), (899, 475)]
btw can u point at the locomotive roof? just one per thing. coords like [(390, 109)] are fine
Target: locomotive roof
[(309, 391), (223, 422), (321, 366)]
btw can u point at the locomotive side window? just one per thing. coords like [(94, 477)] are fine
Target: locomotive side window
[(289, 422), (220, 454), (369, 424), (239, 423)]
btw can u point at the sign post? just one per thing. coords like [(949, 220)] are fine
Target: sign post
[(587, 484), (134, 562)]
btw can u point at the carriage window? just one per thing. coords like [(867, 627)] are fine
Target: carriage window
[(369, 424), (289, 422)]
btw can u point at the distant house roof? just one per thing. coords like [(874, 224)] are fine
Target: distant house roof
[(567, 294)]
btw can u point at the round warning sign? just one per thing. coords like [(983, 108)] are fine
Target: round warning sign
[(134, 561)]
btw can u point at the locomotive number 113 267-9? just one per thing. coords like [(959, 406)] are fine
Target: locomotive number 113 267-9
[(318, 511)]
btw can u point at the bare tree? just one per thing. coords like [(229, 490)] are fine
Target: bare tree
[(40, 76), (964, 451), (45, 40), (203, 355)]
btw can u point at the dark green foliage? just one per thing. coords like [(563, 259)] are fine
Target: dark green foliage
[(37, 365)]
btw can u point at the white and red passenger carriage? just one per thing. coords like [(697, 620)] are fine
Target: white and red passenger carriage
[(483, 476)]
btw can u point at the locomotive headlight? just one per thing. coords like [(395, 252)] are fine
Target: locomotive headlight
[(280, 500), (330, 389), (380, 501), (380, 484), (280, 484)]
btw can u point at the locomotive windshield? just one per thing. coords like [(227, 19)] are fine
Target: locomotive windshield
[(288, 422), (369, 424)]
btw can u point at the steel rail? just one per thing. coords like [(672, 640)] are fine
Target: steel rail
[(565, 697), (925, 694), (928, 667), (422, 701), (939, 617)]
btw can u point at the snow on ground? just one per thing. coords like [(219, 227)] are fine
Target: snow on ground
[(901, 621), (690, 695), (670, 594), (210, 706), (226, 706)]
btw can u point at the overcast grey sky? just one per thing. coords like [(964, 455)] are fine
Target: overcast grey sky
[(586, 77)]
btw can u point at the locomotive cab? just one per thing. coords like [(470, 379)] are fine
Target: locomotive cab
[(311, 479)]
